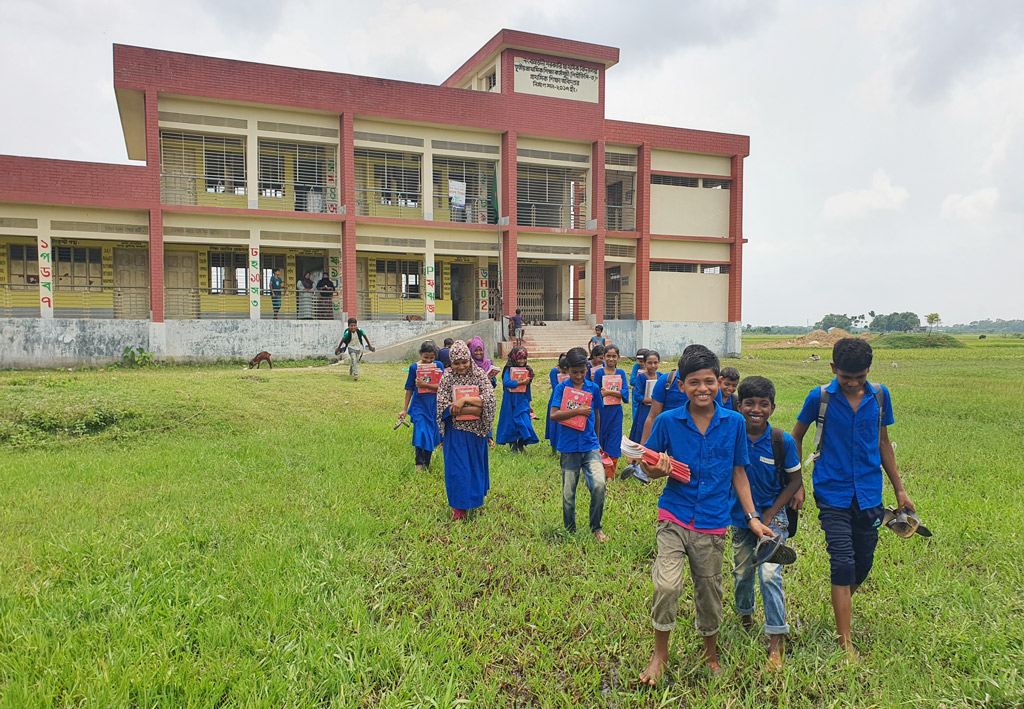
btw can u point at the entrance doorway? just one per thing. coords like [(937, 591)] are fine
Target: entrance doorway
[(464, 291), (181, 299), (539, 288), (131, 276)]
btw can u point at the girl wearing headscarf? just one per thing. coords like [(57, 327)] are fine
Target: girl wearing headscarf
[(464, 442), (476, 348), (515, 426)]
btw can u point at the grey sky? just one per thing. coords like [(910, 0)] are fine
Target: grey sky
[(887, 136)]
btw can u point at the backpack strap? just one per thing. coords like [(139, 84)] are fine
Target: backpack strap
[(779, 453), (880, 398), (734, 403), (671, 379), (819, 427)]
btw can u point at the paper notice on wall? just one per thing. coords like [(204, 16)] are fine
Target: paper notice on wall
[(457, 193)]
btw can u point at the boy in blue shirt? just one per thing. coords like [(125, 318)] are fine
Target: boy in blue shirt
[(847, 476), (668, 392), (580, 452), (728, 380), (693, 517), (770, 495)]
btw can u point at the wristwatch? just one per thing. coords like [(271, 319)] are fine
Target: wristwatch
[(752, 515)]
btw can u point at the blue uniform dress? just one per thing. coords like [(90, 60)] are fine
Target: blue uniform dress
[(636, 432), (632, 383), (610, 434), (551, 427), (467, 473), (423, 412), (514, 422)]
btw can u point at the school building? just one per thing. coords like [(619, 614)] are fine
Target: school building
[(503, 187)]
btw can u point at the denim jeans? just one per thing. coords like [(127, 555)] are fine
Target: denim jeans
[(588, 463), (353, 360), (770, 576)]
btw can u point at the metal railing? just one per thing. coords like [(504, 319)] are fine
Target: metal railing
[(619, 306), (389, 305), (577, 308), (198, 190), (232, 304), (376, 203), (551, 214), (79, 302), (476, 211), (619, 218), (300, 305), (19, 300)]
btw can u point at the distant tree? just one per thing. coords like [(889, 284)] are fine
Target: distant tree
[(871, 313), (895, 322), (933, 320), (834, 320), (989, 326)]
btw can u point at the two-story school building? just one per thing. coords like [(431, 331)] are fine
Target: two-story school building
[(504, 187)]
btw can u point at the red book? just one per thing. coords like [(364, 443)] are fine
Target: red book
[(519, 374), (428, 373), (612, 382), (573, 399), (462, 392)]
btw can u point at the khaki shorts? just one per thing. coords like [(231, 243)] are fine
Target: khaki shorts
[(705, 553)]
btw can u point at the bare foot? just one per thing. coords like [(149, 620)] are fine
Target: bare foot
[(652, 675), (774, 662), (714, 667), (419, 468), (747, 621), (355, 379), (600, 536)]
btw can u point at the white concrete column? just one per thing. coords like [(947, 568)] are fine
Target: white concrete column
[(427, 181), (589, 294), (252, 167), (483, 288), (44, 245), (429, 282), (334, 269), (253, 268)]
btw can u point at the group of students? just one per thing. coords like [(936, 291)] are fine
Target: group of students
[(744, 477)]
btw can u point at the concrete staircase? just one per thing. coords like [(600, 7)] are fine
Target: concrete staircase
[(549, 341)]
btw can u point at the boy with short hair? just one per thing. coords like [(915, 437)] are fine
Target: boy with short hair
[(693, 517), (579, 449), (728, 380), (515, 327), (847, 476), (353, 340), (770, 492), (443, 355)]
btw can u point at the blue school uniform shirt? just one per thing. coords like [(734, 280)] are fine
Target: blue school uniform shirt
[(765, 486), (711, 456), (569, 439), (850, 462), (674, 398)]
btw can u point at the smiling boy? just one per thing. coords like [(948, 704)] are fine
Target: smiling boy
[(693, 517), (847, 476)]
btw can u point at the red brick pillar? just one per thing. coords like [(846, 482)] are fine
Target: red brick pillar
[(597, 194), (643, 230), (736, 239), (347, 197), (156, 217), (509, 235)]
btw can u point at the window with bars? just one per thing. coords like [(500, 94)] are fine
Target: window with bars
[(268, 262), (675, 180), (388, 184), (490, 81), (714, 268), (192, 163), (78, 268), (620, 212), (672, 267), (551, 196), (228, 272), (399, 277), (23, 265), (296, 172), (474, 180), (716, 184)]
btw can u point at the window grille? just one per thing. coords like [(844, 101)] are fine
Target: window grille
[(388, 184), (624, 159), (490, 81), (78, 268), (23, 265), (620, 212), (716, 184), (671, 267), (296, 172), (714, 268), (620, 250), (551, 197), (675, 180), (268, 263), (479, 178), (228, 272), (194, 163), (397, 276)]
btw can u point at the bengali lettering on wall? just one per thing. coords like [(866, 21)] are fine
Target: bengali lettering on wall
[(544, 78)]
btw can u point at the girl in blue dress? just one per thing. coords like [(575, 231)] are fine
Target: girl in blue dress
[(464, 442), (649, 372), (556, 376), (422, 408), (515, 425), (610, 435)]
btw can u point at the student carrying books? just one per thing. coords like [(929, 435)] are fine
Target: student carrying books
[(515, 426), (557, 375), (615, 393), (421, 403), (465, 412)]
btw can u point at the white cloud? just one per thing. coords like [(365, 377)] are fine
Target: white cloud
[(882, 196), (970, 207)]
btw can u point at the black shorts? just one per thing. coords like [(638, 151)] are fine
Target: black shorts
[(851, 535)]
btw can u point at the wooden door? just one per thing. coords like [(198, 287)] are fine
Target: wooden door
[(131, 281), (181, 279)]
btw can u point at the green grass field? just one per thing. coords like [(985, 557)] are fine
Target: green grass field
[(208, 536)]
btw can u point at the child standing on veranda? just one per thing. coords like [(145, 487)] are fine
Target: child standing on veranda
[(465, 424), (515, 425), (770, 494), (579, 449), (610, 434), (421, 407), (847, 475), (556, 376), (693, 516)]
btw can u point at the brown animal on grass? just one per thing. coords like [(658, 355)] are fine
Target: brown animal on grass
[(259, 359)]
